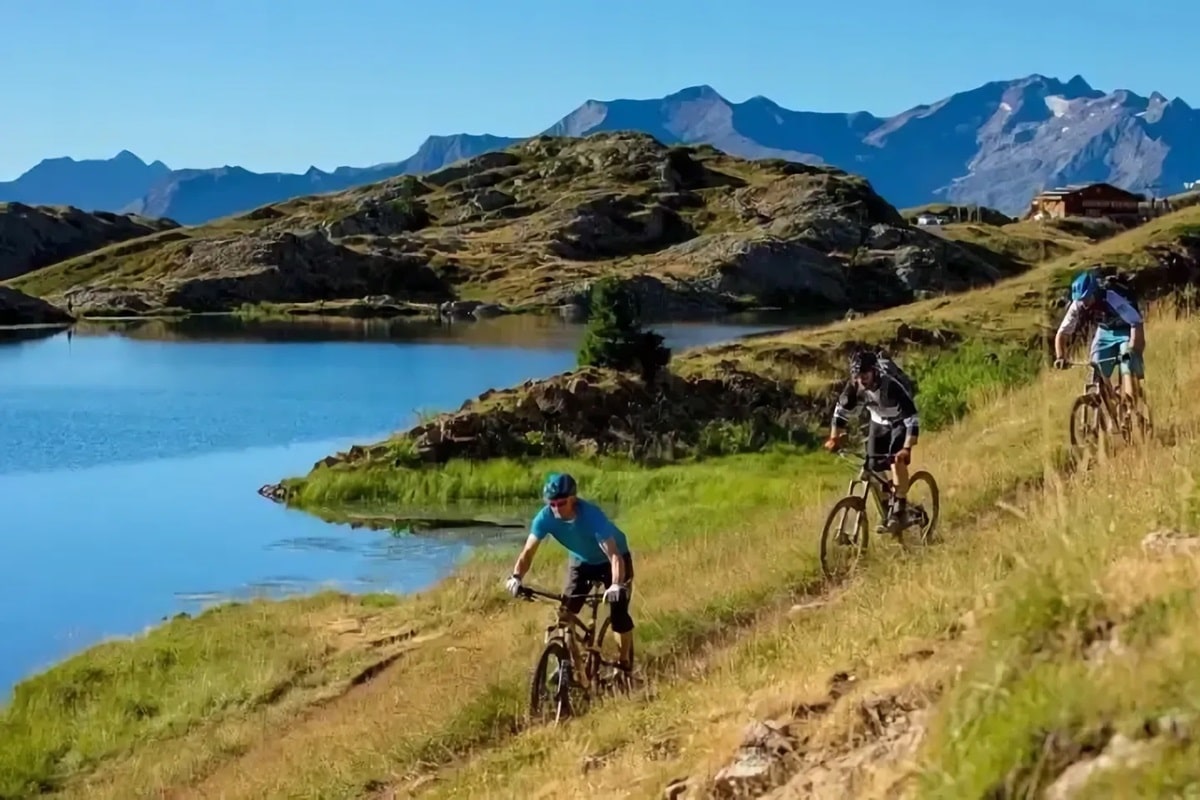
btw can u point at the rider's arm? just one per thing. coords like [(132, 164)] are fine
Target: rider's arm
[(537, 532), (846, 403), (609, 546), (606, 534), (909, 415), (526, 556), (1137, 338), (1070, 322)]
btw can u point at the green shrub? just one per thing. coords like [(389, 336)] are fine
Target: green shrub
[(615, 338)]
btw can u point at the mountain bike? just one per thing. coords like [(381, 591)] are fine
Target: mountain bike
[(1101, 408), (854, 538), (575, 646)]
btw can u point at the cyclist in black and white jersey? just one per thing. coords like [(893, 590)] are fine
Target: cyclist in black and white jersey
[(895, 425)]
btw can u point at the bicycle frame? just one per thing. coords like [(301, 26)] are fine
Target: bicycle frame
[(1103, 387), (579, 636), (868, 481)]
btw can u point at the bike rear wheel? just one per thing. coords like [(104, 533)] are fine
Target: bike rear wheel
[(924, 515), (550, 687), (845, 535), (618, 682)]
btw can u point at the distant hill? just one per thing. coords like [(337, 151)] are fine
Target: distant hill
[(195, 196), (995, 145)]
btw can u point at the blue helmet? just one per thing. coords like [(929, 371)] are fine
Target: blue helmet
[(1085, 286), (559, 485)]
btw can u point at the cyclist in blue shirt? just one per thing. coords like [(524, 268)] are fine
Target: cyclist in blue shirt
[(598, 552), (1120, 331)]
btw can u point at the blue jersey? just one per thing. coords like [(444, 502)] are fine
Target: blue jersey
[(581, 536)]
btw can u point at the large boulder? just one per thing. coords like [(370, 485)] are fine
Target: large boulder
[(18, 308)]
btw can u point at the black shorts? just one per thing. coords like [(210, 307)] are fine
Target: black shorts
[(883, 442), (581, 577)]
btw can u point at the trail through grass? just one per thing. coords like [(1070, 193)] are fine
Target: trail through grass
[(1046, 624)]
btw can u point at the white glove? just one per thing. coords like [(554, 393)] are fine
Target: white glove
[(614, 593), (513, 585)]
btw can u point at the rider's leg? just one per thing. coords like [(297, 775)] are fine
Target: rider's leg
[(1132, 371), (897, 435), (580, 578), (879, 448), (622, 622), (1106, 352)]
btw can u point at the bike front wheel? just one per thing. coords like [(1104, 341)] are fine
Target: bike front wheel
[(1087, 421), (844, 539), (550, 687)]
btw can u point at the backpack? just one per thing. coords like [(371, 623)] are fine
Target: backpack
[(892, 370), (1121, 285)]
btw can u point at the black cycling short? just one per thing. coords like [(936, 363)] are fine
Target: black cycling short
[(581, 577), (883, 442)]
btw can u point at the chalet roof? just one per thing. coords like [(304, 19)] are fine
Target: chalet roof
[(1072, 188)]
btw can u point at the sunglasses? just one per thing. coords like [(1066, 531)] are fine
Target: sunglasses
[(559, 503)]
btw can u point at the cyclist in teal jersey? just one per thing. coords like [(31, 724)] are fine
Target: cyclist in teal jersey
[(1120, 337), (598, 553)]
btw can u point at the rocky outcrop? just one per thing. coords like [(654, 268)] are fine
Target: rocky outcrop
[(17, 308), (591, 411), (32, 237), (689, 229), (223, 274)]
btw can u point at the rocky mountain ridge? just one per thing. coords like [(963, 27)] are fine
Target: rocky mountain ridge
[(691, 230), (995, 145)]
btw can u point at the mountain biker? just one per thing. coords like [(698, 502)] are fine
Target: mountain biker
[(598, 552), (1120, 331), (894, 426)]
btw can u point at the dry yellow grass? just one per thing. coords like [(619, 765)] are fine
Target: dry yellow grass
[(1085, 526), (701, 699)]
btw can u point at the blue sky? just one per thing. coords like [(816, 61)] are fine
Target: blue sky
[(282, 84)]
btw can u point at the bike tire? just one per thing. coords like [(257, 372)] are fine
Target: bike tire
[(846, 505), (1084, 403), (558, 649), (923, 476)]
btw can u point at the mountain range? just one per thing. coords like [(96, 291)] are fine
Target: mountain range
[(996, 145)]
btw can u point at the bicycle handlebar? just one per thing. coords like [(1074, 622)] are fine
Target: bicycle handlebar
[(529, 593), (1098, 362)]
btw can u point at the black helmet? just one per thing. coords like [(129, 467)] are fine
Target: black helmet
[(861, 361)]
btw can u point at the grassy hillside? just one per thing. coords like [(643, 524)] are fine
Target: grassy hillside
[(692, 229), (340, 696), (352, 697)]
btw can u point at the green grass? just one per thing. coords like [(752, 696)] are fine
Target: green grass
[(228, 660), (1016, 695), (951, 384), (955, 382)]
